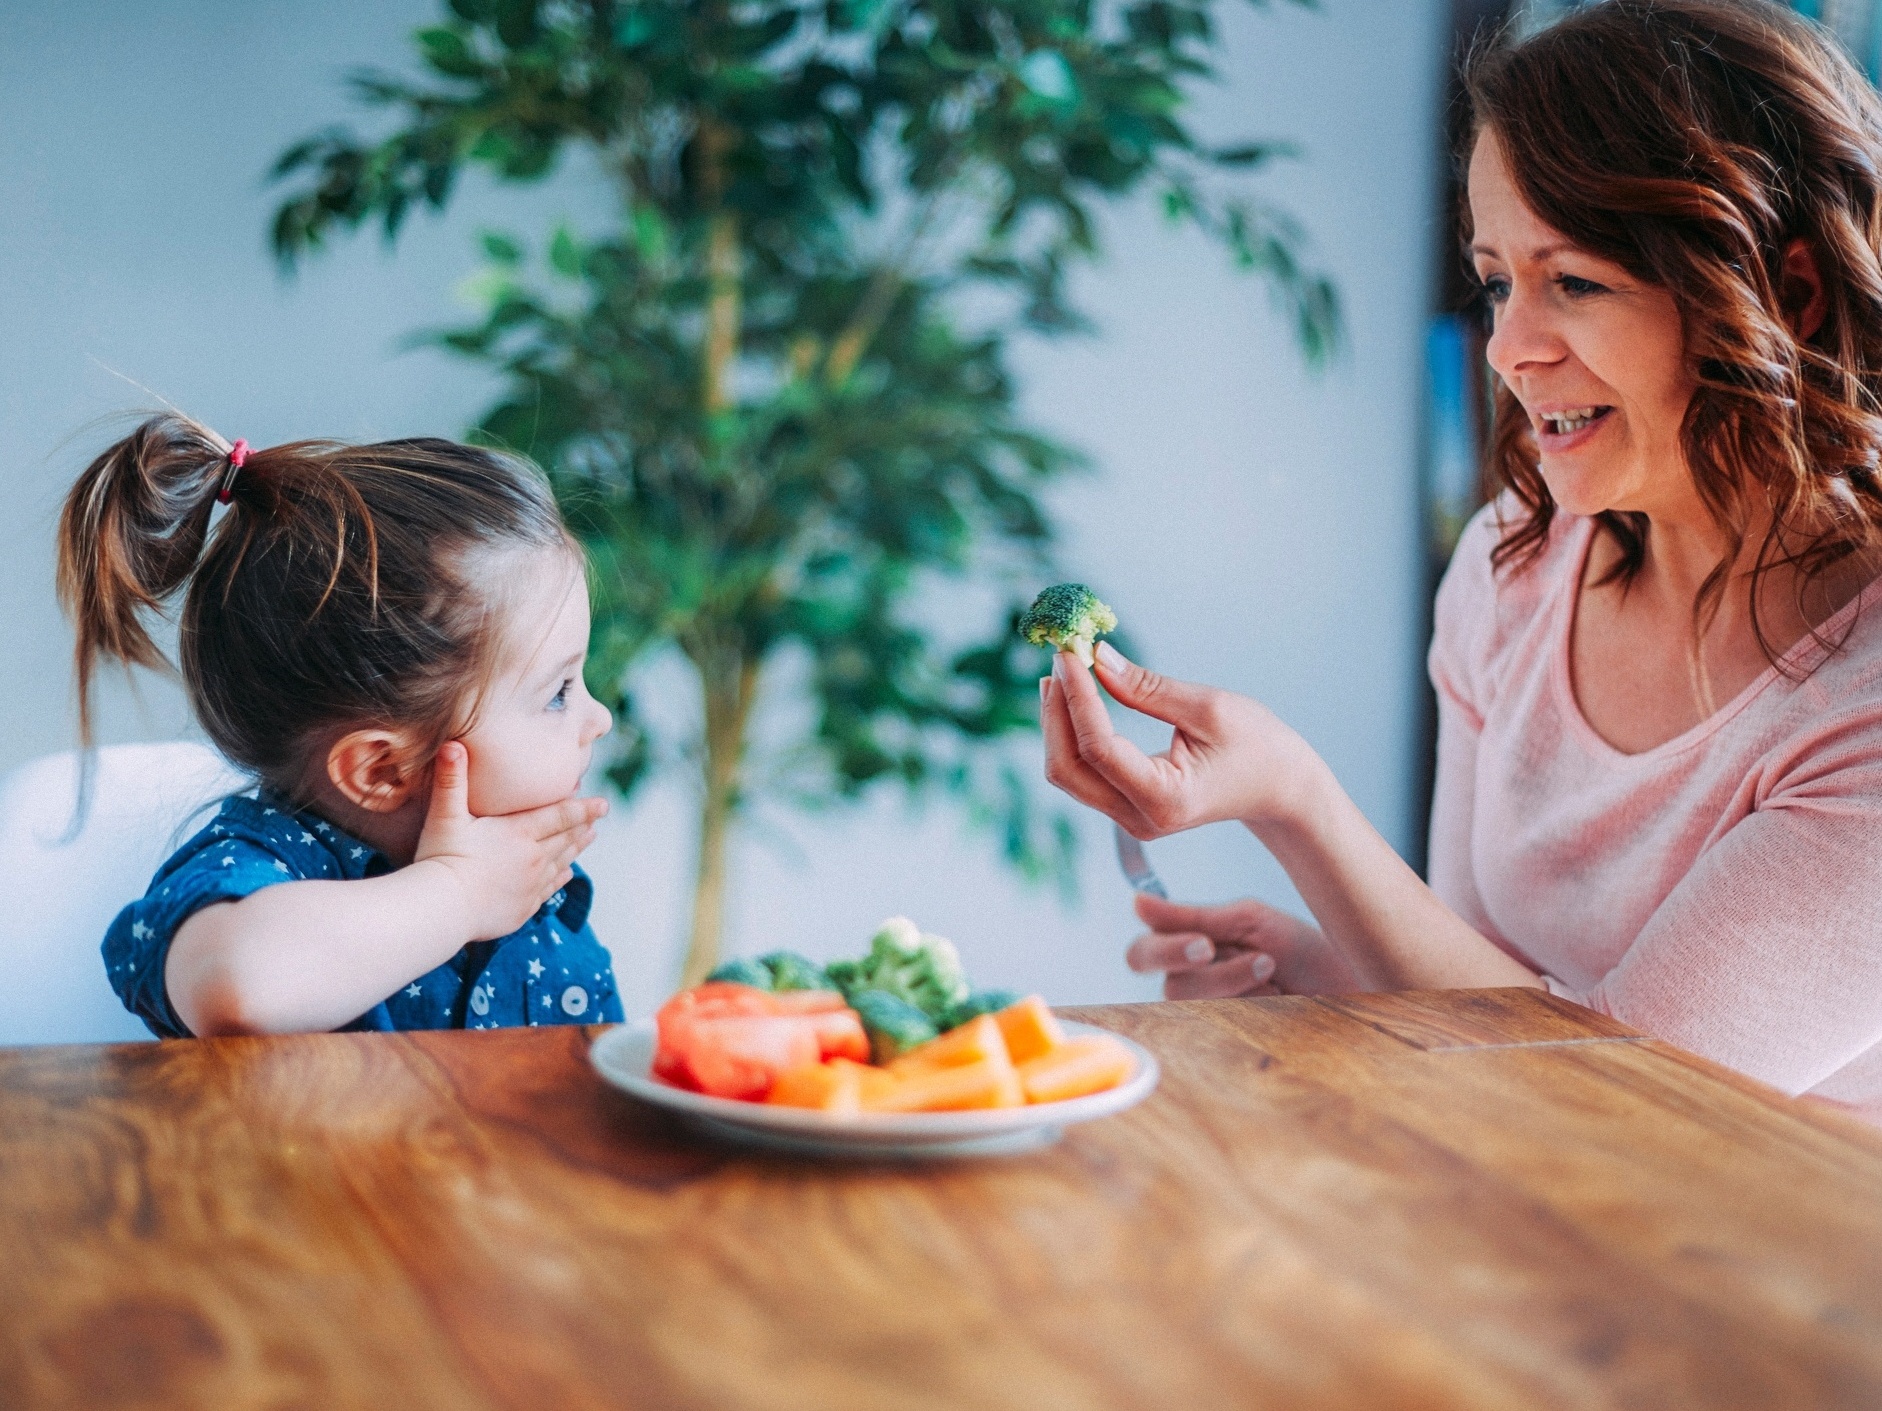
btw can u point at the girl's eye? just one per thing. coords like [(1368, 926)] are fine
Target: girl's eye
[(561, 698)]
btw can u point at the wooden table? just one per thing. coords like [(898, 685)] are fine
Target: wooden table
[(1475, 1199)]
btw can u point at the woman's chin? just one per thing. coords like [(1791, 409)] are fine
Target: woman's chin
[(1577, 492)]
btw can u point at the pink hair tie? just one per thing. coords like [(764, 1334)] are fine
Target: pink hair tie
[(238, 457)]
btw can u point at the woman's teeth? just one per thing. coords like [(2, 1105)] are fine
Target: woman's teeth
[(1561, 423)]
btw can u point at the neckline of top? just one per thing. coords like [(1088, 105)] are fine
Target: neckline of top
[(1562, 627)]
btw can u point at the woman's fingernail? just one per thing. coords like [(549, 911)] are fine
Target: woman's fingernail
[(1111, 656), (1263, 968), (1045, 685), (1198, 949)]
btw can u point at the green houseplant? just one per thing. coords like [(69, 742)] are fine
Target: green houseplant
[(773, 393)]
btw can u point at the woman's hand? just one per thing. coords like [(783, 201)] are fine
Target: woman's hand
[(1229, 757), (1243, 948), (505, 865)]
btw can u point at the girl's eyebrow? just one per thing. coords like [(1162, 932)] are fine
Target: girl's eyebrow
[(563, 666)]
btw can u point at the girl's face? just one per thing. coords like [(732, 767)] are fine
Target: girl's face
[(1596, 358), (537, 725)]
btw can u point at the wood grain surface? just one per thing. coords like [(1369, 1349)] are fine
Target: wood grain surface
[(1488, 1199)]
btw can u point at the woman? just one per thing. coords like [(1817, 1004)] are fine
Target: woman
[(1658, 653)]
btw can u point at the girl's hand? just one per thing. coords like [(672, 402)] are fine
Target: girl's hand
[(1229, 757), (506, 865), (1244, 948)]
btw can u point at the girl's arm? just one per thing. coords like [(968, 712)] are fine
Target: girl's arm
[(1231, 758), (313, 955)]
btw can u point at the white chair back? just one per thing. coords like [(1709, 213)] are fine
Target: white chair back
[(57, 896)]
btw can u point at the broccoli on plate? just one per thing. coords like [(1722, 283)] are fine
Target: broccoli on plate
[(1067, 616), (780, 970), (742, 971), (893, 1024), (924, 971)]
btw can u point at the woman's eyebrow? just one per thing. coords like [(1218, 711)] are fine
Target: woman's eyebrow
[(1540, 253)]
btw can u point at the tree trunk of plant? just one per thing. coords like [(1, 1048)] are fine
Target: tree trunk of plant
[(728, 684)]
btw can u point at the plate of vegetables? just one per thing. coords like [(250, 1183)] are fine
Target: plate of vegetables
[(891, 1055)]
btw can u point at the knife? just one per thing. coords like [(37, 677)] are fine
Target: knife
[(1137, 869)]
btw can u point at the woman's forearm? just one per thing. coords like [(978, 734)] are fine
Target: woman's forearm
[(312, 955), (1374, 908)]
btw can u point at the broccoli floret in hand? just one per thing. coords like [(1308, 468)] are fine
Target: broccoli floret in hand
[(924, 971), (1067, 616)]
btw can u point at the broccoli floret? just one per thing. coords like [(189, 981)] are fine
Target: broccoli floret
[(923, 970), (791, 971), (893, 1024), (978, 1003), (1067, 616), (743, 971)]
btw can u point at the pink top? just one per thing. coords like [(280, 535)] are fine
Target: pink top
[(1723, 890)]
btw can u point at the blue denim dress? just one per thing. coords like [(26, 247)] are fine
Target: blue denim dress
[(551, 970)]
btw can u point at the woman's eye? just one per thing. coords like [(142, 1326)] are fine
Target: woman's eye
[(561, 697), (1495, 288), (1575, 287)]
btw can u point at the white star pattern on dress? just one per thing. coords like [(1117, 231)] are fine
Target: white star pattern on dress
[(228, 860), (414, 989), (546, 1002), (535, 968), (280, 866), (307, 837), (141, 932), (358, 853)]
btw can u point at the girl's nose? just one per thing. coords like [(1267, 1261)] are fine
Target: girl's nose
[(600, 721)]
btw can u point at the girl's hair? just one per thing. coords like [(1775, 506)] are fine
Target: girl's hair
[(1689, 142), (337, 590)]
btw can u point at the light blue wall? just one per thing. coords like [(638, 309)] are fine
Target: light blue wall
[(1255, 526)]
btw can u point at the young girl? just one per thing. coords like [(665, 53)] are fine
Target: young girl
[(390, 638)]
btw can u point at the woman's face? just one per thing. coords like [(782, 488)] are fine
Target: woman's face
[(1596, 358)]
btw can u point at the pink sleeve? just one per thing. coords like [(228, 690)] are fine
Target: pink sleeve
[(1462, 623), (1767, 956)]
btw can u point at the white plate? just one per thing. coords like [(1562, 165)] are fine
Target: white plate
[(624, 1056)]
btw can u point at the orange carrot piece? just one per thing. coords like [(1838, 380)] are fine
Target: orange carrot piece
[(1029, 1028), (973, 1042), (1076, 1068), (834, 1086), (989, 1082)]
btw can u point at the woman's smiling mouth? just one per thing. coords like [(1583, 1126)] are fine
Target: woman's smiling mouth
[(1562, 428)]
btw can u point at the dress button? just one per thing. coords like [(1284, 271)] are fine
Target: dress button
[(480, 1000), (574, 1000)]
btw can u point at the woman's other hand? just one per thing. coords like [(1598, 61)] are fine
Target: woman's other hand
[(1241, 948), (1229, 756)]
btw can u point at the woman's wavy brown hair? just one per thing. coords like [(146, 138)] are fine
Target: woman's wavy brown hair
[(1690, 142)]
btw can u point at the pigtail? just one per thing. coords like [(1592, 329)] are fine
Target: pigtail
[(130, 535)]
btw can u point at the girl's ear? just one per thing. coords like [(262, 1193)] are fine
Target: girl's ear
[(374, 769)]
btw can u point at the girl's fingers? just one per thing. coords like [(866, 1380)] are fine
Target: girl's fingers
[(450, 784), (1239, 975), (546, 822)]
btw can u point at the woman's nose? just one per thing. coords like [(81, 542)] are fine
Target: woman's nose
[(1524, 337)]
